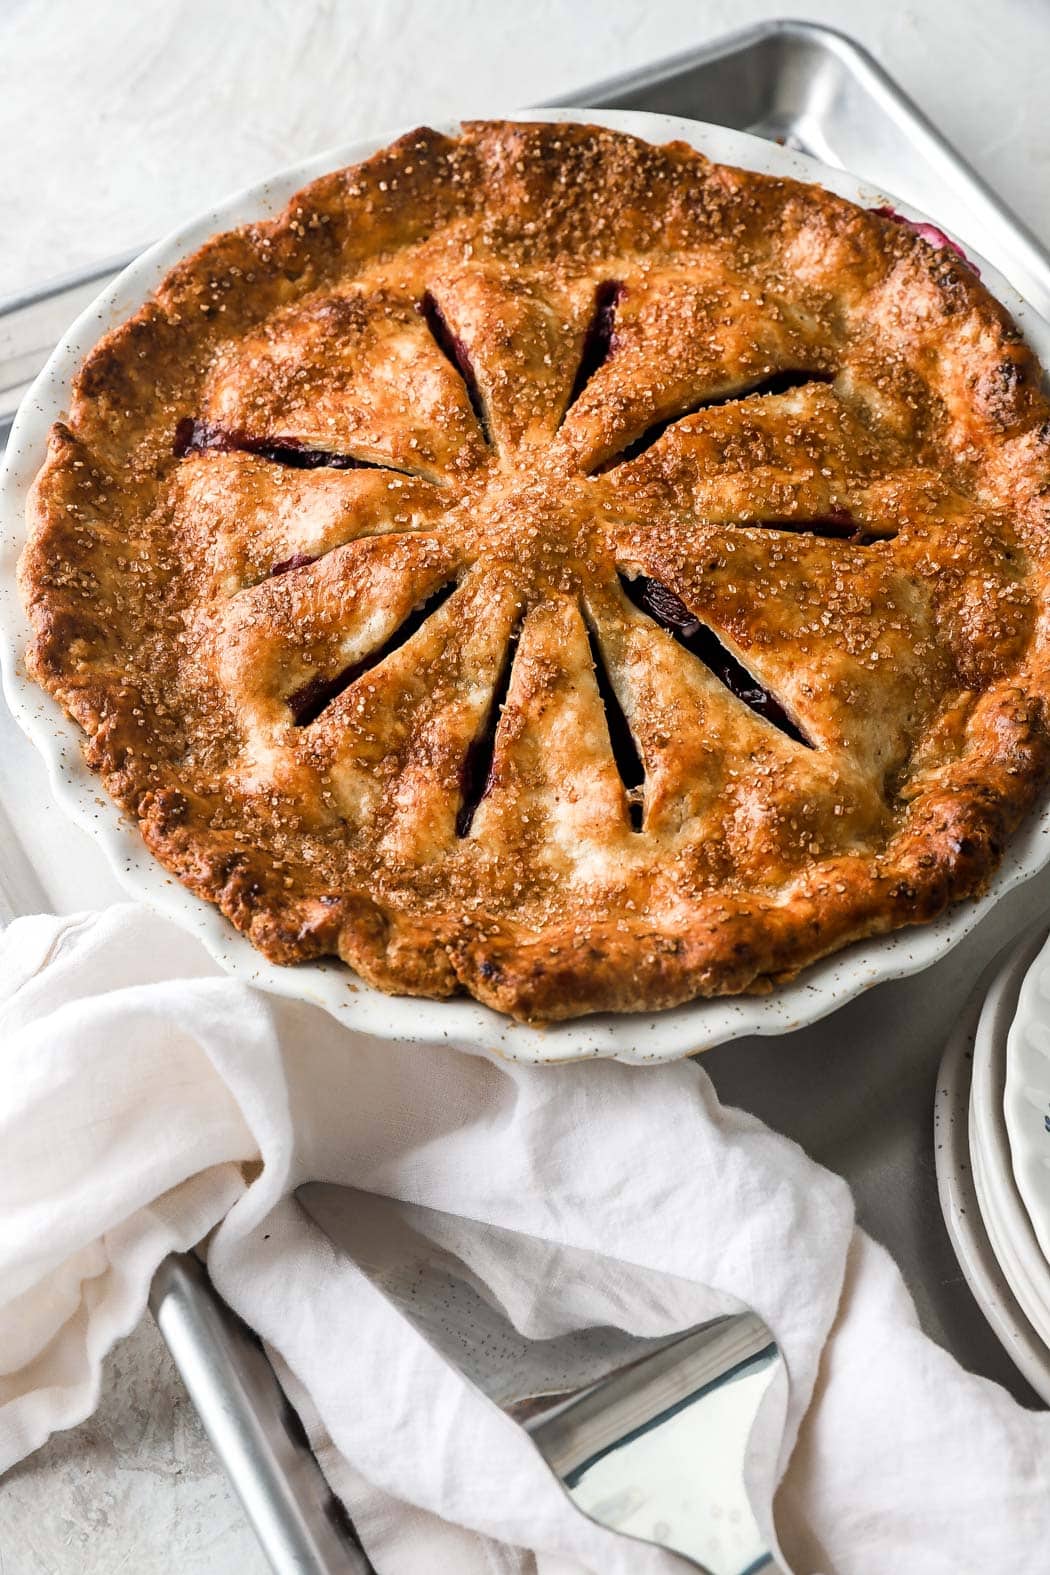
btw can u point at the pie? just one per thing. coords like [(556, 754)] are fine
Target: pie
[(553, 567)]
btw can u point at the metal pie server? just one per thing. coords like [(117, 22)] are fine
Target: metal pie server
[(655, 1437)]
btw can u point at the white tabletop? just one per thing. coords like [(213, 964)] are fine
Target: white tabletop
[(117, 122)]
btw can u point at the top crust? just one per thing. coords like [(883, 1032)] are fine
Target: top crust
[(409, 460)]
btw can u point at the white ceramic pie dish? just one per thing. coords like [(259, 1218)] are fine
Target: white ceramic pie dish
[(641, 1038)]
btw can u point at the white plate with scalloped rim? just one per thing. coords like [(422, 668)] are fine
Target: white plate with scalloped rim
[(957, 1164), (1026, 1099), (636, 1038), (1003, 1212)]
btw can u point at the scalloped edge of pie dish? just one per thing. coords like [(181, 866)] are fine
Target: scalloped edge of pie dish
[(638, 1038)]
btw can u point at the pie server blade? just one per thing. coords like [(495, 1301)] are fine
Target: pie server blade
[(653, 1437)]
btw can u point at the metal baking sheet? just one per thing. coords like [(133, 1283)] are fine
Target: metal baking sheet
[(856, 1090), (792, 82), (819, 92)]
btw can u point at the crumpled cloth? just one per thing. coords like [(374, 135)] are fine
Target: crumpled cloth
[(147, 1100)]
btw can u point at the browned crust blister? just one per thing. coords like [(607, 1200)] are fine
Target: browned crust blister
[(868, 537)]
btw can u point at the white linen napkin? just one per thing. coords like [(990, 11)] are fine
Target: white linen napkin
[(145, 1099)]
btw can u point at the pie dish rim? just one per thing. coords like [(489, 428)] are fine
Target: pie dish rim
[(635, 1037)]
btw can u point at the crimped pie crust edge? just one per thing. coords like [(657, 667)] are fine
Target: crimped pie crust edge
[(950, 842)]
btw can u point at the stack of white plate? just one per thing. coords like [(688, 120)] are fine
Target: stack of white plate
[(993, 1152)]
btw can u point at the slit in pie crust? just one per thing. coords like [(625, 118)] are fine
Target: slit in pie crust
[(557, 568)]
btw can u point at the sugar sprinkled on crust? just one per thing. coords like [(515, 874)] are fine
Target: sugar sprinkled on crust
[(390, 503)]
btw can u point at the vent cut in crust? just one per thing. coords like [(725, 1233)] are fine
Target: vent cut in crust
[(558, 568)]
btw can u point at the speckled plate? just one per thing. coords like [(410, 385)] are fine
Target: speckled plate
[(634, 1038), (1005, 1217), (969, 1178), (1026, 1099)]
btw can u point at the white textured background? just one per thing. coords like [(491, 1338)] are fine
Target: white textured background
[(118, 119)]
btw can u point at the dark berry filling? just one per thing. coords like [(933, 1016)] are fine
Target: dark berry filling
[(930, 233), (307, 702), (457, 355), (621, 739), (475, 776), (298, 560), (777, 383), (204, 437), (599, 342), (837, 524), (668, 610)]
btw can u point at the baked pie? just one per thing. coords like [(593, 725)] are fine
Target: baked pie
[(558, 568)]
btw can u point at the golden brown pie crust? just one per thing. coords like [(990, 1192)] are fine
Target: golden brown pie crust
[(868, 537)]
